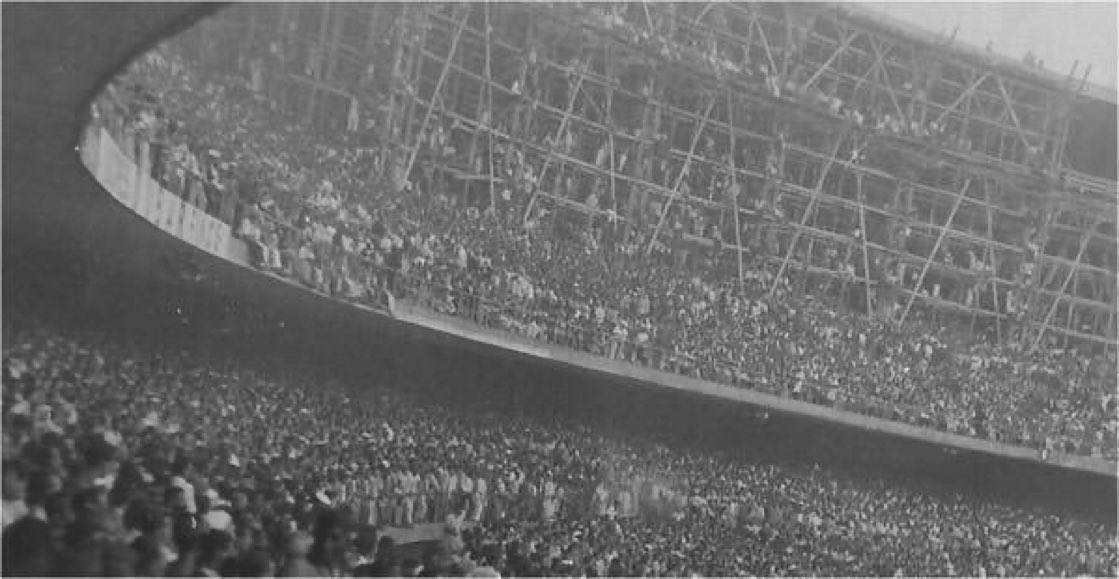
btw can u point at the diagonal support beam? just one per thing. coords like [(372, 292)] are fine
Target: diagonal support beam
[(874, 66), (808, 210), (839, 50), (1072, 305), (967, 93), (702, 13), (765, 41), (555, 140), (680, 177), (1064, 286), (435, 94), (883, 74), (936, 247), (1009, 104)]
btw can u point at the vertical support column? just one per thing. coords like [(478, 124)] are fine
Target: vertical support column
[(991, 258), (610, 126), (335, 40), (316, 51), (866, 253), (806, 266), (489, 104), (734, 190), (522, 128), (394, 120), (482, 111), (644, 158), (1062, 143), (1042, 259), (375, 12), (250, 31), (415, 70), (284, 19)]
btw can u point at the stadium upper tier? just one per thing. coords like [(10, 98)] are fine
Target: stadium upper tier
[(908, 175), (524, 226), (650, 196)]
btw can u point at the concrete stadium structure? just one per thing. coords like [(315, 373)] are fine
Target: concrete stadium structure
[(67, 240)]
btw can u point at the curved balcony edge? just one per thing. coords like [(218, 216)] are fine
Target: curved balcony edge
[(127, 181)]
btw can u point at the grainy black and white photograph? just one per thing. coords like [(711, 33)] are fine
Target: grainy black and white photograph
[(559, 289)]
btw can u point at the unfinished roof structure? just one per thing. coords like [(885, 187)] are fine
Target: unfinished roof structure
[(891, 168)]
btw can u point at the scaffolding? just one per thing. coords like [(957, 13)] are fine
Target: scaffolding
[(941, 173)]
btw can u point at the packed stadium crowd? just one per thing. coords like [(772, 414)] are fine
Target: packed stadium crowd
[(323, 207), (125, 457)]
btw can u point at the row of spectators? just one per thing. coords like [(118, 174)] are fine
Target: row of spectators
[(315, 206), (123, 457)]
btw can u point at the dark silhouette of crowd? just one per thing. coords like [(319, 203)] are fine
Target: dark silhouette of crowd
[(126, 457), (313, 206)]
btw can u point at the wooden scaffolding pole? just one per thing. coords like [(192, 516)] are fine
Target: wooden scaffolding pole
[(393, 120), (680, 177), (413, 71), (862, 239), (883, 76), (992, 264), (481, 112), (435, 95), (489, 105), (848, 38), (317, 50), (755, 22), (734, 191), (1072, 305), (555, 142), (964, 95), (611, 128), (808, 209), (335, 43), (1064, 286), (1110, 330), (936, 247), (1008, 103), (1062, 144)]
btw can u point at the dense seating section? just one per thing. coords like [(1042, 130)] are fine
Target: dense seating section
[(128, 458), (314, 207)]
